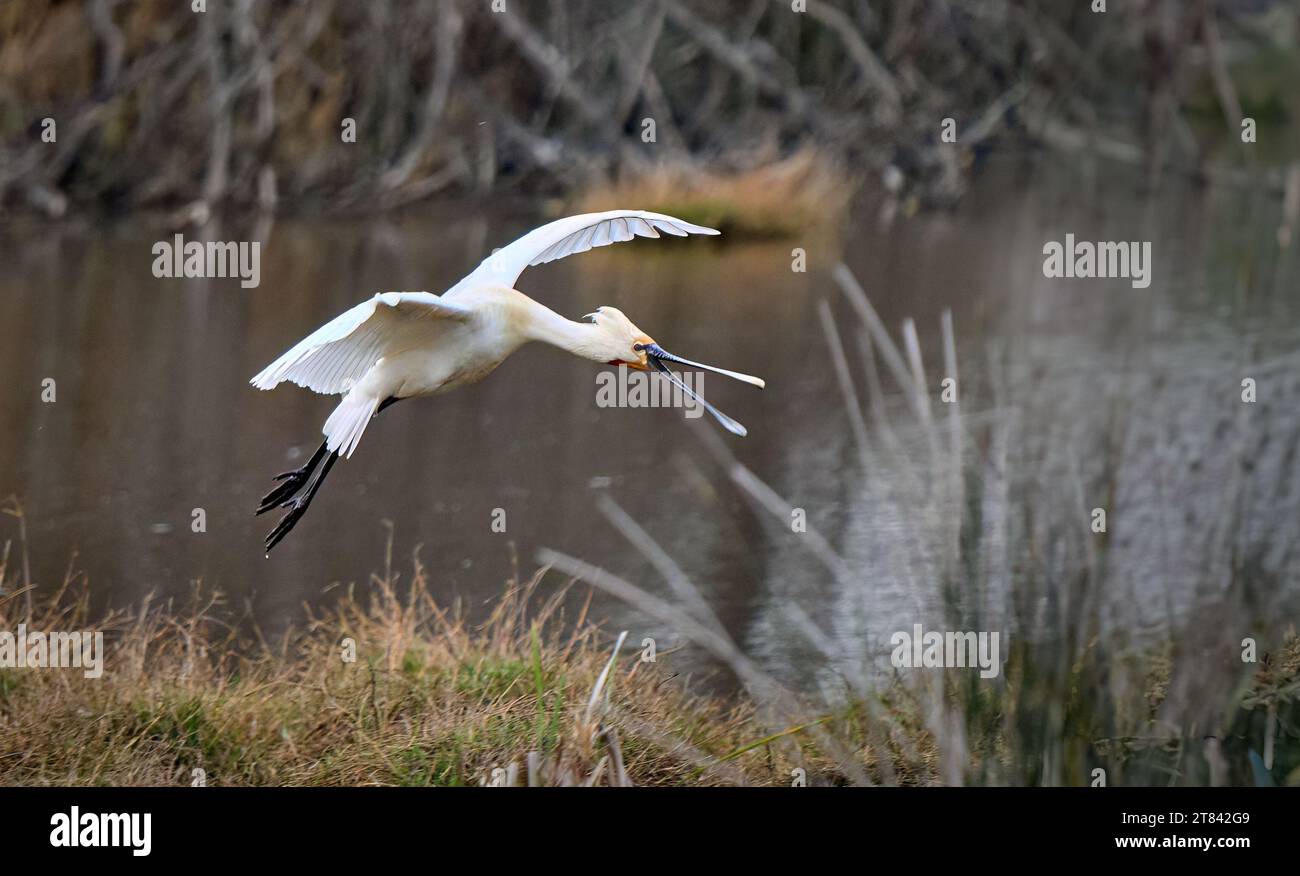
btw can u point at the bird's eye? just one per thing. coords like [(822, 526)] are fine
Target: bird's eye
[(638, 347)]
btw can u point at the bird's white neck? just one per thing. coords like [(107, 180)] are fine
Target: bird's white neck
[(583, 339)]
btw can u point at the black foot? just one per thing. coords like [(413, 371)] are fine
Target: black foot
[(293, 482), (297, 507)]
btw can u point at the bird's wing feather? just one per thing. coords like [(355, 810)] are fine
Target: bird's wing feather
[(575, 234), (339, 353)]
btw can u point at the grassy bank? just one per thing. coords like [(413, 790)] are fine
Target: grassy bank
[(428, 700), (532, 697)]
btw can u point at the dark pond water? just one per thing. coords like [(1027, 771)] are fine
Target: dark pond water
[(1070, 384)]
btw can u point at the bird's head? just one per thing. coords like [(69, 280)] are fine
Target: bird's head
[(619, 338), (627, 345)]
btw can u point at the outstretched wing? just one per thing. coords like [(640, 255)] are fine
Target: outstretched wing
[(339, 353), (575, 234)]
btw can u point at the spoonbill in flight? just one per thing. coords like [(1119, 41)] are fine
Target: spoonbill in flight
[(403, 344)]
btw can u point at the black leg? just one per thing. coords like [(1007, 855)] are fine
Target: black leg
[(282, 496), (293, 481), (298, 506)]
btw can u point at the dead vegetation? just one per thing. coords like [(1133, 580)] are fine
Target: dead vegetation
[(265, 104)]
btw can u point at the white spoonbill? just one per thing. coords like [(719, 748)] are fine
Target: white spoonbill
[(403, 344)]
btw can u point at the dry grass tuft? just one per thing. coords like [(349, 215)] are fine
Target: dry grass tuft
[(797, 195)]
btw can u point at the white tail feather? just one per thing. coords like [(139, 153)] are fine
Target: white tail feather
[(345, 426)]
